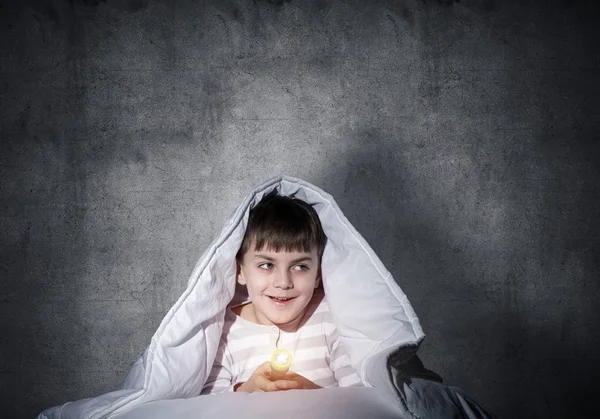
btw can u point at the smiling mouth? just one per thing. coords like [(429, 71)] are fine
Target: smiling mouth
[(282, 299)]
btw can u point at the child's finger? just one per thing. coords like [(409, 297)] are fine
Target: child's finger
[(263, 369), (286, 384), (265, 384)]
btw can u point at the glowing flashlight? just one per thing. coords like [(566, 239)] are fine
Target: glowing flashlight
[(280, 363)]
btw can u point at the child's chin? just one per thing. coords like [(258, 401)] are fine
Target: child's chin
[(287, 318), (283, 317)]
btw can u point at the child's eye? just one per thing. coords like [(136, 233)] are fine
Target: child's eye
[(301, 267), (265, 265)]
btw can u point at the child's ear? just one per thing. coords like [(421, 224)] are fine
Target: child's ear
[(239, 274)]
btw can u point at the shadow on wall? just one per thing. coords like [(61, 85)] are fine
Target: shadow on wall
[(50, 152), (566, 338), (46, 354)]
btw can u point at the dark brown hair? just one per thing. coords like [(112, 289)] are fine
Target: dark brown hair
[(283, 222)]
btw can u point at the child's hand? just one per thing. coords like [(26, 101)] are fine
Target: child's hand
[(303, 383), (259, 381)]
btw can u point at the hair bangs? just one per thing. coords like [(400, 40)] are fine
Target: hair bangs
[(290, 240), (283, 223)]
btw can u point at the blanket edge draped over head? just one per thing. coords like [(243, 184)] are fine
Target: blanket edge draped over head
[(371, 312)]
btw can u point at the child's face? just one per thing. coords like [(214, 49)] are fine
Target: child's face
[(269, 274)]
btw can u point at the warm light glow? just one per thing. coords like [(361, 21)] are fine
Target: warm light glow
[(281, 360)]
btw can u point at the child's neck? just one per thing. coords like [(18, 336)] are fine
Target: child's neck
[(246, 312)]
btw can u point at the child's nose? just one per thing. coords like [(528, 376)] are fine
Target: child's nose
[(283, 280)]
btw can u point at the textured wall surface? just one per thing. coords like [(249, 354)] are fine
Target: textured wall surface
[(460, 138)]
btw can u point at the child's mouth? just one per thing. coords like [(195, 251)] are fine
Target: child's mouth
[(281, 301)]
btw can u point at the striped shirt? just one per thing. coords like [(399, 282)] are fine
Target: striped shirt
[(317, 353)]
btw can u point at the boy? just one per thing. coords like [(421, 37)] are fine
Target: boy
[(279, 262)]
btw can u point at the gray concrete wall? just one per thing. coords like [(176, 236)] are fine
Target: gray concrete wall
[(460, 138)]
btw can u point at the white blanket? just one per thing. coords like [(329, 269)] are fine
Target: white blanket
[(372, 315), (346, 403)]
